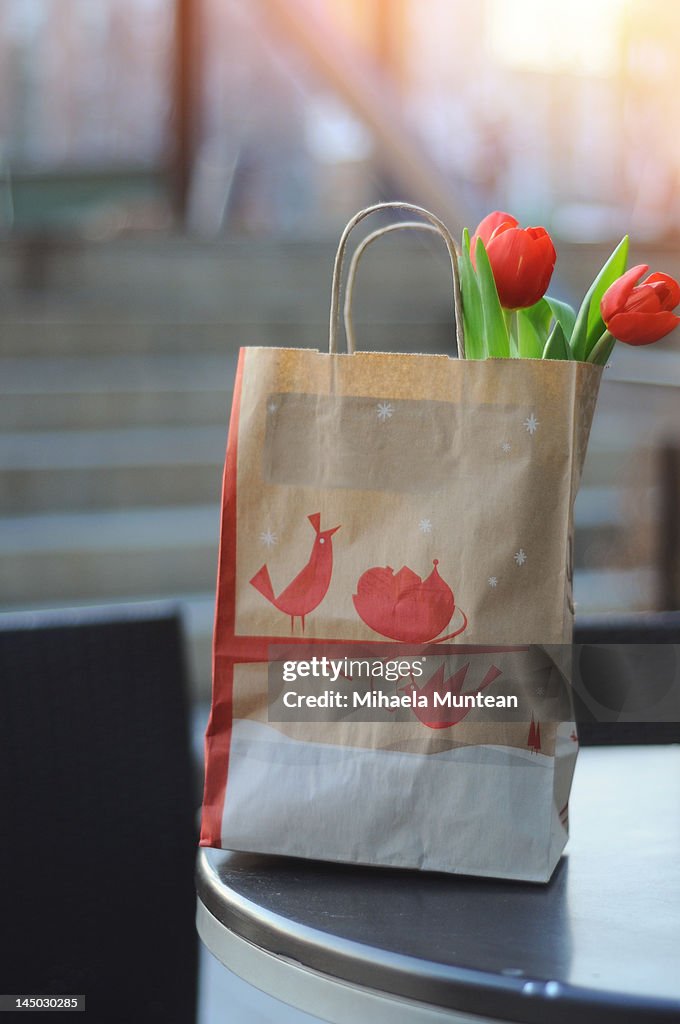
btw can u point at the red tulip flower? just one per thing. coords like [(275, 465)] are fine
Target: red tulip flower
[(522, 259), (639, 314)]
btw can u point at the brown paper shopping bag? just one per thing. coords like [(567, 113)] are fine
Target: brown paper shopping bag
[(424, 503)]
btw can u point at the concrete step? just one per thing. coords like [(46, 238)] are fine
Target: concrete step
[(130, 446), (97, 556), (180, 281), (148, 267), (418, 332), (120, 487), (104, 374), (72, 470), (83, 410), (113, 390)]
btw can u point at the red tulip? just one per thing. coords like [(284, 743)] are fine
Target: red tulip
[(639, 314), (522, 259)]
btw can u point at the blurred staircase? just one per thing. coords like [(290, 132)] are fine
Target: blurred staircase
[(115, 384)]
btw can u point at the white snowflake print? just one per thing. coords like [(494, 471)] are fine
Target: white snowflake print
[(520, 556), (272, 407), (493, 582), (268, 538), (506, 447), (531, 424), (425, 526), (385, 411)]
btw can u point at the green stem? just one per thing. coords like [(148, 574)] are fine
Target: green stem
[(513, 334), (602, 350)]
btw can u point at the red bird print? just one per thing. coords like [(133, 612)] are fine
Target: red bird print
[(442, 717), (308, 589)]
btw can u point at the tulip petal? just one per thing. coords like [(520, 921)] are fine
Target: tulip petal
[(673, 295), (522, 264), (505, 226), (619, 292), (642, 328), (644, 299), (488, 225), (540, 262)]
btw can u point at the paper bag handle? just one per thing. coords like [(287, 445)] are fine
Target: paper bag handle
[(406, 225), (437, 225)]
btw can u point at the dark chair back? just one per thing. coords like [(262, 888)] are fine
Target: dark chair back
[(98, 834), (639, 666)]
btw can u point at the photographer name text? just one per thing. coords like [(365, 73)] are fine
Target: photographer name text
[(378, 699)]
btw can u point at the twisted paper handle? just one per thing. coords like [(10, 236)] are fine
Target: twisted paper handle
[(413, 225), (435, 224)]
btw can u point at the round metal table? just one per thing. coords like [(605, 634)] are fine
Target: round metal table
[(599, 943)]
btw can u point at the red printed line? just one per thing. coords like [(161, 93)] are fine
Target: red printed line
[(217, 743), (257, 648), (218, 732)]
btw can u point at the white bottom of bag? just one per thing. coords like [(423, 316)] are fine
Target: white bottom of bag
[(490, 811)]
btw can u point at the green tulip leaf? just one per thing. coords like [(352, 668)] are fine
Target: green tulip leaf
[(529, 341), (540, 315), (557, 347), (602, 349), (511, 326), (589, 324), (473, 315), (495, 328), (564, 315)]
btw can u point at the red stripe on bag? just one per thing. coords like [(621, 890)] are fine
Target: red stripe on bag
[(218, 732), (217, 743), (245, 649)]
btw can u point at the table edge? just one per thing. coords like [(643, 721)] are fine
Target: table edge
[(507, 998)]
